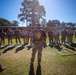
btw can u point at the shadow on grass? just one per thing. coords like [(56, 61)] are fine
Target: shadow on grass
[(55, 46), (51, 46), (38, 71), (20, 48), (58, 47), (31, 71), (69, 47), (9, 48), (2, 69), (3, 47), (73, 45)]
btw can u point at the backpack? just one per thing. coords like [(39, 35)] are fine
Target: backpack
[(37, 35)]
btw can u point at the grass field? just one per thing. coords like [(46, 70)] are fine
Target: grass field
[(17, 61)]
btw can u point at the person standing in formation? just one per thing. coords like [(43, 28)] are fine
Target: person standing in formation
[(36, 41)]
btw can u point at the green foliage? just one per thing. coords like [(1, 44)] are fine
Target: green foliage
[(15, 23), (57, 23), (4, 22)]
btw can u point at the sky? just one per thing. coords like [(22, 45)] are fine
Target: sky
[(62, 10)]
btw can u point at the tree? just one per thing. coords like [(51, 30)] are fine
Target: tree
[(49, 23), (4, 22), (53, 23), (63, 24), (70, 24), (32, 12), (43, 22), (15, 23)]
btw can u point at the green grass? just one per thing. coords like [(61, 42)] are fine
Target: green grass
[(52, 62)]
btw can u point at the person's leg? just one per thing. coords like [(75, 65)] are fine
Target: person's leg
[(52, 39), (24, 39), (4, 41), (0, 42), (27, 41), (34, 50), (19, 40), (39, 54), (49, 40), (11, 40), (8, 40), (16, 40)]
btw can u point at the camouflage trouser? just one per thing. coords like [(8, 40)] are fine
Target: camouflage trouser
[(18, 39), (37, 47), (9, 39), (0, 41), (50, 39), (70, 38), (25, 39)]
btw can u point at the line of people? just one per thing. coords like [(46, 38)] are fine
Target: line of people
[(55, 36), (14, 34), (66, 35)]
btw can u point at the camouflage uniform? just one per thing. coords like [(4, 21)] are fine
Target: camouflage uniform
[(63, 36), (37, 44), (50, 35), (2, 36), (70, 36), (25, 36), (0, 41), (9, 36), (17, 36)]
